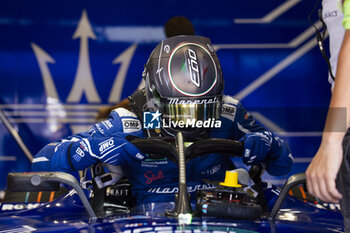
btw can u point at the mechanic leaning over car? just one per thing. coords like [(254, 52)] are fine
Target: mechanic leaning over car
[(184, 91), (328, 175)]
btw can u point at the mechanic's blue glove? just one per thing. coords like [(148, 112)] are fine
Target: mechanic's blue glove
[(110, 150), (264, 148)]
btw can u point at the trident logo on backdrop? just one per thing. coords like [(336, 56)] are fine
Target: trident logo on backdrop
[(83, 81)]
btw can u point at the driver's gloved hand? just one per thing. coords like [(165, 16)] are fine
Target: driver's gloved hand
[(264, 148), (109, 150), (280, 160), (257, 146)]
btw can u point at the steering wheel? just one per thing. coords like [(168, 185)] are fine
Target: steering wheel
[(158, 148)]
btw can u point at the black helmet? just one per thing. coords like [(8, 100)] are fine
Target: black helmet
[(184, 82)]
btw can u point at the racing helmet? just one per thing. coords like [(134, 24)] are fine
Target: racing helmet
[(183, 81)]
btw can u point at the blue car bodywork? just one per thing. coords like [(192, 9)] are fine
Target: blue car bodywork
[(72, 212)]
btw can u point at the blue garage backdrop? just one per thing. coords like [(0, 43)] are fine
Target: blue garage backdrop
[(61, 61)]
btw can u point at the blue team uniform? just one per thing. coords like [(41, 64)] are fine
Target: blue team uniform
[(157, 180)]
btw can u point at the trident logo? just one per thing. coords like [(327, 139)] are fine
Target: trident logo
[(84, 82)]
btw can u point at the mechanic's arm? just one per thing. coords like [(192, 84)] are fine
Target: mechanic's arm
[(262, 146), (322, 172)]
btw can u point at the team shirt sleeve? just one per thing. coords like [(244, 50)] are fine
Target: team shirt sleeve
[(346, 11)]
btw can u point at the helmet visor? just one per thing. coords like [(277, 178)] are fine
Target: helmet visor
[(188, 110)]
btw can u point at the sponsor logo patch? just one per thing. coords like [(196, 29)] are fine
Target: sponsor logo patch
[(80, 152), (106, 145), (154, 163), (330, 14), (212, 171), (76, 157), (83, 146), (228, 111), (131, 125), (177, 101), (190, 189), (194, 70), (140, 156), (107, 124), (150, 176), (91, 132), (193, 67), (9, 207), (116, 192), (99, 128)]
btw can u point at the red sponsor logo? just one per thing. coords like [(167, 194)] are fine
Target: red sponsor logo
[(150, 176)]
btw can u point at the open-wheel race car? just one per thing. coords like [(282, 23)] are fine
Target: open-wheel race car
[(57, 202)]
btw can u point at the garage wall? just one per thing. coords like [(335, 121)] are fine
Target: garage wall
[(61, 61)]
